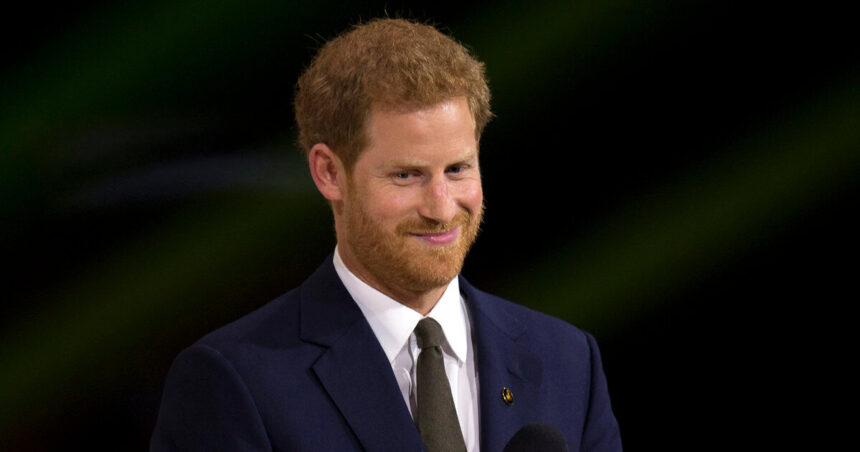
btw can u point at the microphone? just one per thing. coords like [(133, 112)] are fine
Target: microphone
[(537, 438)]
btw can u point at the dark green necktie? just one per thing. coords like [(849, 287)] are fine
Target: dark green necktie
[(437, 417)]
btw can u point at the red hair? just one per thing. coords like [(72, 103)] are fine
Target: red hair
[(389, 64)]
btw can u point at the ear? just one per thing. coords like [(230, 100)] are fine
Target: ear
[(327, 171)]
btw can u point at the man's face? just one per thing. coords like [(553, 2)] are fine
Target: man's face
[(413, 202)]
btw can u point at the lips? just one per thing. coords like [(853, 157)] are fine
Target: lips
[(439, 238)]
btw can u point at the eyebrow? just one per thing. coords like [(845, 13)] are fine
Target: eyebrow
[(416, 164)]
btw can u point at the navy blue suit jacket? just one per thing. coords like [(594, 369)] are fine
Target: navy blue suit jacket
[(306, 373)]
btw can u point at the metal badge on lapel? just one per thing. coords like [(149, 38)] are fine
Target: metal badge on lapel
[(507, 396)]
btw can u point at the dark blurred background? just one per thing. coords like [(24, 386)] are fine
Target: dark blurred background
[(678, 178)]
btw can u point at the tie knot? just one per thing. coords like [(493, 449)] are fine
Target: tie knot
[(429, 333)]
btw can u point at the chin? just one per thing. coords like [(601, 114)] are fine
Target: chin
[(433, 272)]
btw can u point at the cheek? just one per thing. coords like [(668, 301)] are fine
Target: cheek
[(392, 206), (472, 195)]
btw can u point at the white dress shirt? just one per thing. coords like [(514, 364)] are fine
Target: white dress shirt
[(393, 324)]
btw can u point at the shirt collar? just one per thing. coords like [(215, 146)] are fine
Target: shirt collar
[(393, 323)]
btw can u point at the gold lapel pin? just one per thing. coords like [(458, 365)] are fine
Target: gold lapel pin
[(507, 396)]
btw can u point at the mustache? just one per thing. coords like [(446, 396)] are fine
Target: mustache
[(426, 226)]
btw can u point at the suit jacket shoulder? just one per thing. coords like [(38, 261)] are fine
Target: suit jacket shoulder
[(303, 372)]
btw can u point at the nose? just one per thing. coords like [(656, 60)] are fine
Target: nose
[(438, 204)]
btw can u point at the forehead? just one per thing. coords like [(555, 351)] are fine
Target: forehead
[(446, 129)]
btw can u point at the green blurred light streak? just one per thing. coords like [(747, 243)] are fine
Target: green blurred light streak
[(666, 239), (523, 43), (154, 283), (118, 56), (125, 58)]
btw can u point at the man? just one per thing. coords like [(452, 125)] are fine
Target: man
[(390, 115)]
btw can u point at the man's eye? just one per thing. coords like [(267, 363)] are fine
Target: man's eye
[(456, 169), (404, 176)]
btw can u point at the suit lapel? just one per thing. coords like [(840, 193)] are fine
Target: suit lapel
[(502, 362), (354, 370)]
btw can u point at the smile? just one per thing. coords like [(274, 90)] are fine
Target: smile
[(442, 238)]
